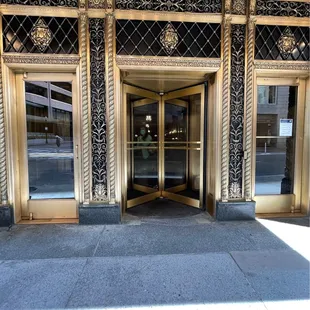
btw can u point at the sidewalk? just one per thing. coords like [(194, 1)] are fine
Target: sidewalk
[(157, 263)]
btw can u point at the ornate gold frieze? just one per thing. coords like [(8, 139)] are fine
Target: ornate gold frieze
[(41, 35), (85, 107), (169, 38), (286, 43), (139, 61), (41, 59), (282, 65)]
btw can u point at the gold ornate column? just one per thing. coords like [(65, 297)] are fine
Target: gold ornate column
[(225, 110), (85, 108), (249, 108), (110, 104), (3, 170)]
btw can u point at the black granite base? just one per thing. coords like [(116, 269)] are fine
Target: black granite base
[(99, 214), (235, 210), (6, 216)]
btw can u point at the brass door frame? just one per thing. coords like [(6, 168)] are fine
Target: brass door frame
[(46, 208), (152, 97), (282, 203)]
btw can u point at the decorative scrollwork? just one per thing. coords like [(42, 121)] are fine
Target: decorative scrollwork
[(97, 4), (282, 65), (3, 174), (66, 3), (169, 38), (286, 43), (198, 6), (41, 35), (236, 110), (98, 109), (283, 8), (238, 7)]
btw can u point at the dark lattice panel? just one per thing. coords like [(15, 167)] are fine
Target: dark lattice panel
[(236, 110), (136, 37), (282, 8), (98, 107), (266, 43), (197, 6), (68, 3), (17, 29)]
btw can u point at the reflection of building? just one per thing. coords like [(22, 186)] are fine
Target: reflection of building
[(49, 110), (245, 55)]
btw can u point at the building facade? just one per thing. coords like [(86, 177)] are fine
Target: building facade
[(106, 105)]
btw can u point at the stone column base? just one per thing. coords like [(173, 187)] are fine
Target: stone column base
[(99, 214), (6, 216), (235, 210)]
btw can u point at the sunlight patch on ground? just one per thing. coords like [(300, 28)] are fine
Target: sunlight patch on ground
[(272, 305), (295, 236)]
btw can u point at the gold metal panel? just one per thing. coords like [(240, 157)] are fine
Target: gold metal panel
[(144, 189), (181, 199), (274, 203), (53, 208), (143, 199)]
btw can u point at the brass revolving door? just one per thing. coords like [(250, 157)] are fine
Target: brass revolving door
[(163, 146)]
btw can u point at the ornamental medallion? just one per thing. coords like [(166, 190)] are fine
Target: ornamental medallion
[(41, 35), (286, 43), (169, 38)]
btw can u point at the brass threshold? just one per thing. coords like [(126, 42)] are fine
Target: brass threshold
[(280, 215), (48, 221)]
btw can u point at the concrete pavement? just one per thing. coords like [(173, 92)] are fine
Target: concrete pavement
[(152, 262)]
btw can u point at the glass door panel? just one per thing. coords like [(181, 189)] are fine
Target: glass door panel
[(142, 148), (47, 136), (49, 139), (183, 137)]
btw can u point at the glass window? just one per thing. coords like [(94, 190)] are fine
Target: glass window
[(61, 97), (64, 85), (267, 95), (275, 140), (36, 89)]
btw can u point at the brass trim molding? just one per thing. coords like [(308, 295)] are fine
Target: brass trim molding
[(3, 169), (111, 103), (30, 10), (249, 109), (282, 65), (85, 108), (41, 59), (128, 61), (225, 111)]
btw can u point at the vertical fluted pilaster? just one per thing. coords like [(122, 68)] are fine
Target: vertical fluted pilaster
[(3, 172), (111, 121), (85, 107), (249, 109), (225, 112)]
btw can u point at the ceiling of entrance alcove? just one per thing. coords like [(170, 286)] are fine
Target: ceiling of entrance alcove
[(163, 81)]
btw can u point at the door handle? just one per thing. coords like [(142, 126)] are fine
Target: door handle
[(77, 151)]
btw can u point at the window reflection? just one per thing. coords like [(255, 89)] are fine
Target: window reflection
[(275, 139), (50, 140)]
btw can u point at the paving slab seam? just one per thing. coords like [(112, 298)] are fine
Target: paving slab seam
[(98, 241), (258, 295), (76, 282)]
